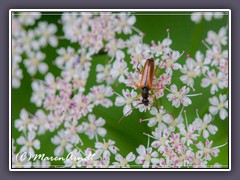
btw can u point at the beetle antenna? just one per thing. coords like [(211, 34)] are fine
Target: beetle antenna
[(159, 67), (128, 112)]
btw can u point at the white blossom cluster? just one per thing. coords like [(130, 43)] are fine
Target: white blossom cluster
[(27, 44), (66, 105), (208, 16)]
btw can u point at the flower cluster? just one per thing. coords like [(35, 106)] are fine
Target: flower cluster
[(208, 16), (109, 47), (27, 44)]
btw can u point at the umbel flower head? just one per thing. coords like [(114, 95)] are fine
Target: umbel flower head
[(87, 71)]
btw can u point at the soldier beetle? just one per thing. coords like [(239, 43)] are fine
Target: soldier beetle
[(146, 82)]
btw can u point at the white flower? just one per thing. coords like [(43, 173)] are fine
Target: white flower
[(106, 148), (217, 38), (28, 41), (219, 106), (119, 70), (72, 130), (161, 139), (202, 62), (74, 160), (91, 158), (175, 122), (204, 126), (16, 28), (103, 73), (123, 162), (41, 164), (215, 80), (81, 106), (124, 22), (133, 79), (188, 134), (13, 147), (132, 43), (38, 94), (146, 156), (28, 143), (103, 162), (159, 83), (196, 159), (190, 70), (16, 51), (165, 163), (25, 122), (128, 100), (216, 55), (113, 48), (175, 145), (17, 75), (40, 120), (161, 118), (66, 55), (71, 25), (140, 55), (46, 33), (61, 140), (99, 95), (95, 43), (51, 102), (28, 18), (73, 71), (208, 150), (18, 162), (51, 84), (171, 61), (217, 165), (94, 127), (197, 16), (84, 58), (224, 67), (179, 97), (34, 63), (160, 48)]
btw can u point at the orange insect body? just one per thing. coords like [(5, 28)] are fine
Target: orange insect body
[(147, 74), (146, 81)]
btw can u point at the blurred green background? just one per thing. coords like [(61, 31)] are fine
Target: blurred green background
[(186, 35)]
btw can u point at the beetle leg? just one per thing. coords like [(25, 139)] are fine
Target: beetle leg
[(150, 95), (136, 85), (157, 89), (154, 99), (139, 96), (159, 68)]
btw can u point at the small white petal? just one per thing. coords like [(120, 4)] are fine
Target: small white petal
[(36, 144), (141, 150), (213, 110), (59, 151), (212, 129), (120, 101), (205, 134), (223, 114), (21, 140), (214, 101), (118, 158), (130, 157), (43, 67)]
